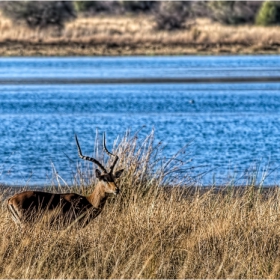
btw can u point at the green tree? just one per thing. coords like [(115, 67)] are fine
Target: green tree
[(269, 13)]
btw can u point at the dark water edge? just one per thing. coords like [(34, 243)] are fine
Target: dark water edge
[(85, 81)]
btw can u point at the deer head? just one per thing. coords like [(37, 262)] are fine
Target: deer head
[(106, 178)]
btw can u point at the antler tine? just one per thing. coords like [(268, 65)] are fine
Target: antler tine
[(88, 158), (109, 153), (104, 146), (114, 163)]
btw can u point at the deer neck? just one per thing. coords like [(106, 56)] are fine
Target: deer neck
[(98, 197)]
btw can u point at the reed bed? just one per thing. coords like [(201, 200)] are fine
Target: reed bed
[(160, 226), (117, 35)]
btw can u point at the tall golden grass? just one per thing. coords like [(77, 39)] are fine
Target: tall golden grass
[(104, 35), (153, 231)]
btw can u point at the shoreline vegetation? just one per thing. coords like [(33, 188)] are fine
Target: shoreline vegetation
[(151, 231), (135, 35), (113, 28)]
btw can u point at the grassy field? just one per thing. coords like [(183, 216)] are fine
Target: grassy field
[(135, 35), (153, 231)]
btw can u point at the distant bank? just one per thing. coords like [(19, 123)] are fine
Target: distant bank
[(111, 36), (16, 48)]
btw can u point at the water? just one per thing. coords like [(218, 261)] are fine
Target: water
[(232, 127), (135, 67)]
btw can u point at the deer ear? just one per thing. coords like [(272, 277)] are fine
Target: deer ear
[(119, 173), (97, 173)]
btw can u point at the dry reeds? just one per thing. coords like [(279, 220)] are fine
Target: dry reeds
[(129, 35), (154, 231)]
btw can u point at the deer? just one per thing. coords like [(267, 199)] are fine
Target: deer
[(67, 208)]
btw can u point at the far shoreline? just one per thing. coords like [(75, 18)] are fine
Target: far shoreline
[(66, 49), (136, 36)]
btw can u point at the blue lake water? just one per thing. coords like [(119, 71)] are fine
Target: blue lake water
[(232, 127)]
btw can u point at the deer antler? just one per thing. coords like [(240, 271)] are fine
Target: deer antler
[(88, 158), (110, 154)]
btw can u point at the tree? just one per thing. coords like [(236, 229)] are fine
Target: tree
[(233, 12), (269, 13), (40, 14), (92, 7), (172, 15), (139, 6)]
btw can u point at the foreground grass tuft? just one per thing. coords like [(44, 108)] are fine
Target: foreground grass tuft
[(154, 231)]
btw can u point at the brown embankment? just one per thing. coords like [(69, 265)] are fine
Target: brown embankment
[(135, 36)]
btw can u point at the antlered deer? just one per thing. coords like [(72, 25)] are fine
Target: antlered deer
[(67, 208)]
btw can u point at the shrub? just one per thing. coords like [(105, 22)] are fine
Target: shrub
[(172, 15), (139, 6), (199, 9), (269, 13), (233, 12), (40, 14), (89, 7)]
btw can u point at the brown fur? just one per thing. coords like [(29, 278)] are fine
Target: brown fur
[(29, 206)]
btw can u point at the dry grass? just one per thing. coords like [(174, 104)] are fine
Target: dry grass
[(151, 232), (135, 35)]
